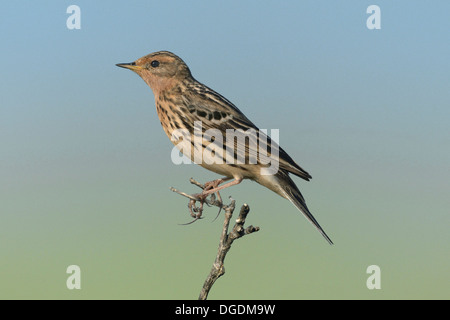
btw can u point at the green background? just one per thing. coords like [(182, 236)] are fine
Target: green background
[(85, 167)]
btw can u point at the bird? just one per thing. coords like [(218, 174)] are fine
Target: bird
[(182, 101)]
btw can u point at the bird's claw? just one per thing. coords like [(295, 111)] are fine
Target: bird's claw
[(195, 219), (218, 213), (196, 212)]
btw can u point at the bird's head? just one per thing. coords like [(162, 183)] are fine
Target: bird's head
[(160, 70)]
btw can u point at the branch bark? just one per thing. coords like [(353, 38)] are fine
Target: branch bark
[(226, 238)]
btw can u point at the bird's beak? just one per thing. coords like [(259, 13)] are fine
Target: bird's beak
[(131, 66)]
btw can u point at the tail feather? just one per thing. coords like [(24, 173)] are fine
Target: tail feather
[(292, 193)]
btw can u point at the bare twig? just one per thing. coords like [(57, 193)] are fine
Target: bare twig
[(226, 238)]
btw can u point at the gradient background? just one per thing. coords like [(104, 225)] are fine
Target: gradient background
[(85, 167)]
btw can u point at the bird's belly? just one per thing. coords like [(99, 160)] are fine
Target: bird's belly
[(228, 170)]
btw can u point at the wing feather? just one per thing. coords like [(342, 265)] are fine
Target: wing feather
[(221, 114)]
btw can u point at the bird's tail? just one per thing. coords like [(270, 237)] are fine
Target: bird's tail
[(292, 193)]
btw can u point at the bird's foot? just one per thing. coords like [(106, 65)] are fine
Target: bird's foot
[(196, 211), (211, 185)]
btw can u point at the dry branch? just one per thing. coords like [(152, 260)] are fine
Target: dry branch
[(226, 238)]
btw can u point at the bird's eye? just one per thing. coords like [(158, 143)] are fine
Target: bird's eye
[(154, 63)]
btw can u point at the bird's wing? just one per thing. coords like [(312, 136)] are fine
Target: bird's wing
[(216, 112)]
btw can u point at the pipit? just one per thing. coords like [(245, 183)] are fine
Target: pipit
[(182, 102)]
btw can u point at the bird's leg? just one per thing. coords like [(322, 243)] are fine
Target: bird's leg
[(210, 185), (213, 186)]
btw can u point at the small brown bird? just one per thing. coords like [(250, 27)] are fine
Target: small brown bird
[(182, 102)]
